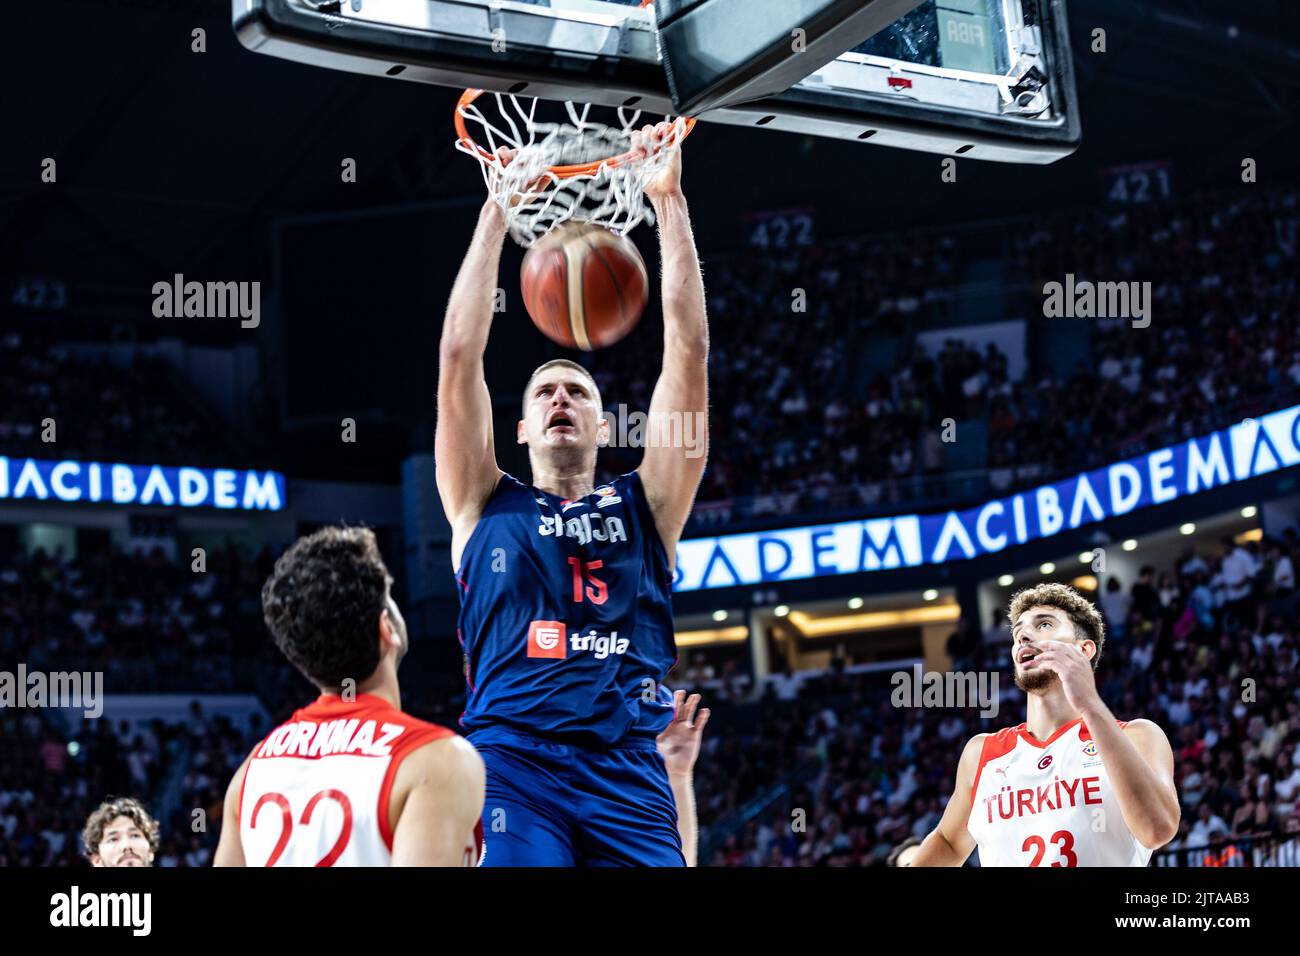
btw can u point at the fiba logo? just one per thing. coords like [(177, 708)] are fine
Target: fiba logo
[(1045, 762), (546, 639), (1090, 748)]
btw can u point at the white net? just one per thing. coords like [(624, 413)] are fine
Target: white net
[(532, 188)]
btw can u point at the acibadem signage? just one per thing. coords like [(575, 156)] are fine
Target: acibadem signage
[(76, 482), (1247, 450)]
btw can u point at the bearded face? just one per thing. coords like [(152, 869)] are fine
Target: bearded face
[(1035, 626), (123, 844)]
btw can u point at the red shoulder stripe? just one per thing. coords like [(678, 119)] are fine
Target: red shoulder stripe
[(995, 745)]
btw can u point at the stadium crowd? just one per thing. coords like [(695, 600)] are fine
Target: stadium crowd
[(144, 619), (1209, 650), (810, 426), (830, 750), (821, 769), (51, 777), (97, 408), (832, 401)]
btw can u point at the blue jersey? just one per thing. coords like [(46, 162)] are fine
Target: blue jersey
[(566, 615)]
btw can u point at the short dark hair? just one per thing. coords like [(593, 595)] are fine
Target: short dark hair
[(322, 604), (561, 363), (92, 834), (1082, 613), (900, 849)]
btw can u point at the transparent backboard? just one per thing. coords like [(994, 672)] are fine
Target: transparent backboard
[(987, 79)]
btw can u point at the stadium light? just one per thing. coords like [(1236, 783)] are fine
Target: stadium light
[(856, 602), (942, 612), (1006, 580), (1187, 528), (719, 616), (720, 635), (1085, 557), (930, 594), (1129, 545), (781, 610), (1249, 511), (1047, 567)]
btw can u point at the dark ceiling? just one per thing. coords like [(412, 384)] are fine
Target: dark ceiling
[(171, 161)]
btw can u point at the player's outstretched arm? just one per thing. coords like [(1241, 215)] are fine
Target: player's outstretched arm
[(679, 745), (463, 445), (678, 445), (1137, 758), (438, 795), (950, 843), (230, 852)]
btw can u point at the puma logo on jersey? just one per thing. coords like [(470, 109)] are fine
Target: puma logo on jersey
[(586, 527), (306, 738)]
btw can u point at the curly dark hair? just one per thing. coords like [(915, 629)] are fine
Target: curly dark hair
[(92, 835), (1083, 615), (322, 604)]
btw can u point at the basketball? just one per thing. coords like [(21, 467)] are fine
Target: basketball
[(837, 279), (584, 286)]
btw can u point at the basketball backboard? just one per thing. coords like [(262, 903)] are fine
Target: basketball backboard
[(985, 79)]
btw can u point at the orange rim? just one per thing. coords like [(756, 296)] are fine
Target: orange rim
[(560, 172)]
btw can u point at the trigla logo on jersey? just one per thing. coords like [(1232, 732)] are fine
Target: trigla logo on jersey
[(547, 639)]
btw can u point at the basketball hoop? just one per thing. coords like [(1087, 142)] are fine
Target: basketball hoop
[(577, 170)]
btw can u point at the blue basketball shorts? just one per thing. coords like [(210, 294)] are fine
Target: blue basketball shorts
[(553, 804)]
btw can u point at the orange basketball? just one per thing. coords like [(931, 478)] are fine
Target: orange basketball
[(584, 286)]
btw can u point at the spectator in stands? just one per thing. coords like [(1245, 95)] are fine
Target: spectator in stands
[(998, 632), (1145, 598), (1114, 604), (1207, 828), (1283, 570), (120, 833), (1239, 570)]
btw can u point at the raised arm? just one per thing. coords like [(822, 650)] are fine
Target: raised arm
[(1138, 758), (679, 745), (950, 843), (677, 446), (463, 445)]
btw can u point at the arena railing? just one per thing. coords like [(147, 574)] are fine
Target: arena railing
[(1241, 851)]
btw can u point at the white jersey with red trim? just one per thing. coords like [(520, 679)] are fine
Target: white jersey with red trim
[(1048, 803), (317, 789)]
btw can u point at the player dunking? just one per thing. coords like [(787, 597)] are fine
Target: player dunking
[(565, 587), (349, 780), (1072, 786)]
